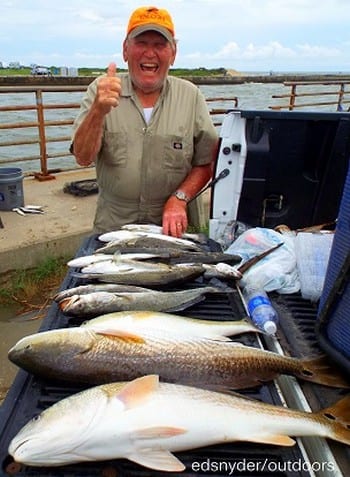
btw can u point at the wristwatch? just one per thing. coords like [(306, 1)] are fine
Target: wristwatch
[(180, 194)]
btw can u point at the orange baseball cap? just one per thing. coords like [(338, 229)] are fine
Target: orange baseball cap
[(151, 18)]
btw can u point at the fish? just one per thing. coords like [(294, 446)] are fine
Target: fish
[(106, 266), (114, 264), (143, 240), (139, 321), (158, 229), (147, 421), (87, 260), (166, 255), (97, 287), (96, 303), (100, 355), (146, 228), (132, 272)]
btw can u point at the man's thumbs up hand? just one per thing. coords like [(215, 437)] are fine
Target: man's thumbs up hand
[(108, 90), (112, 70)]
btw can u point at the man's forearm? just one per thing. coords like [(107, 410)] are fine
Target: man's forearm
[(88, 138), (196, 179)]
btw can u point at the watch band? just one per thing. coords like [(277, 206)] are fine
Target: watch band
[(180, 194)]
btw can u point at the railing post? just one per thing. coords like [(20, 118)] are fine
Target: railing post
[(292, 97), (44, 173), (340, 97)]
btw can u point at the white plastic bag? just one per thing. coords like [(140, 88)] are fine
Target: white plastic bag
[(312, 252), (275, 272)]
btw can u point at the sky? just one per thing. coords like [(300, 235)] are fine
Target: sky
[(243, 35)]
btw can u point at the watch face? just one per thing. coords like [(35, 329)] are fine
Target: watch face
[(181, 195)]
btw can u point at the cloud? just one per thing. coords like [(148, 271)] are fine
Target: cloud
[(240, 34)]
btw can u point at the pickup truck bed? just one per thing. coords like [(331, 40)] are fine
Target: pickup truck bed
[(28, 396), (284, 168)]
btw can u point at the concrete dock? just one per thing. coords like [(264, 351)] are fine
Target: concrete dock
[(59, 231), (27, 240)]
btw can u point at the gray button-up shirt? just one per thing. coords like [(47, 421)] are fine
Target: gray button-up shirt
[(139, 164)]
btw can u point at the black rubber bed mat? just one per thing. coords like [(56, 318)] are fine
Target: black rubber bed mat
[(29, 395), (298, 337)]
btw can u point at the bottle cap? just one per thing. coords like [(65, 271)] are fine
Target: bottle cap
[(270, 327)]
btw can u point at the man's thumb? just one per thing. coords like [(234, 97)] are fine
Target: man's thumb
[(112, 69)]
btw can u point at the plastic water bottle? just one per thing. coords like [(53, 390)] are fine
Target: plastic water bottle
[(260, 309)]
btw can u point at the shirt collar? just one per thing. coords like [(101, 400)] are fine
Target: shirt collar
[(128, 89)]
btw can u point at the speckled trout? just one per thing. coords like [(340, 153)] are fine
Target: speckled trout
[(145, 421), (133, 272), (98, 356), (147, 239), (99, 302)]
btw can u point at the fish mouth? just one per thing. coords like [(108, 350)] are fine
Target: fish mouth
[(66, 303), (18, 446), (15, 450)]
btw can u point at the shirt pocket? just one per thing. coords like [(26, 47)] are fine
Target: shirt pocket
[(114, 149), (177, 153)]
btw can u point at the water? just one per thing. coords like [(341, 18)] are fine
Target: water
[(32, 133), (251, 96)]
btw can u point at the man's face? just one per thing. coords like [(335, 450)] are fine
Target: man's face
[(149, 56)]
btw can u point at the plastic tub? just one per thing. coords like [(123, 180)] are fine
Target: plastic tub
[(11, 188)]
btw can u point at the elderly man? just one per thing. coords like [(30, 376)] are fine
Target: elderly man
[(149, 134)]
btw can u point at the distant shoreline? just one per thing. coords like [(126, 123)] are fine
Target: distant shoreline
[(53, 81)]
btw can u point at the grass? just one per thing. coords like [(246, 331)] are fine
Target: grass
[(34, 287)]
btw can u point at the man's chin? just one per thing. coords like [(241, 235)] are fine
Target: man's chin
[(149, 83)]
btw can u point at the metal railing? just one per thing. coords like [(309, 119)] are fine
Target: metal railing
[(42, 125), (314, 89), (41, 137)]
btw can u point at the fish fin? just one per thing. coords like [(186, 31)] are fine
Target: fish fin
[(157, 459), (123, 295), (116, 256), (136, 391), (238, 344), (185, 305), (275, 439), (320, 370), (120, 334), (220, 338), (250, 326), (338, 420), (160, 432)]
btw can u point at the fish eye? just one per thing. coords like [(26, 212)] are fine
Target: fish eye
[(36, 418)]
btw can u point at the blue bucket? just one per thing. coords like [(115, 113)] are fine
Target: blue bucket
[(11, 188)]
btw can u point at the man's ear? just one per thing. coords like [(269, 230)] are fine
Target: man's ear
[(125, 50), (174, 53)]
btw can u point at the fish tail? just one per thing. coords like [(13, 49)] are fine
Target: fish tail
[(321, 371), (337, 419)]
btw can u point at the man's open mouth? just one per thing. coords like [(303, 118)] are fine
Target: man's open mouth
[(150, 67)]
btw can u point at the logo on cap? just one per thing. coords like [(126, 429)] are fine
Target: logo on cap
[(151, 18)]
